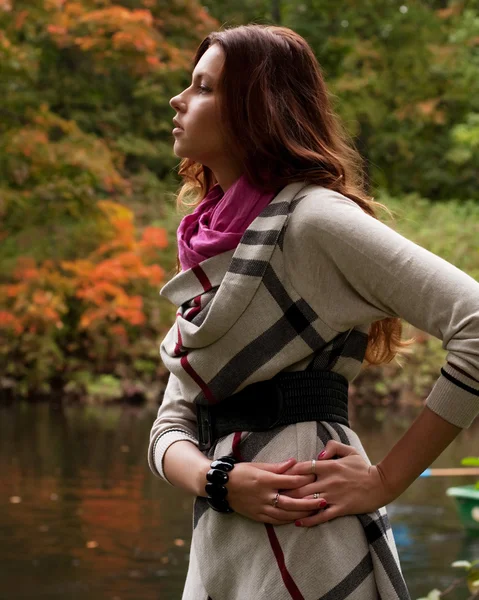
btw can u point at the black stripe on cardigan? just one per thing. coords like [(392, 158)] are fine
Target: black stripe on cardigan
[(464, 386)]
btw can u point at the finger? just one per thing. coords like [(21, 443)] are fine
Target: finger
[(275, 467), (293, 504), (322, 469), (334, 448), (323, 516), (320, 486), (289, 482), (326, 469)]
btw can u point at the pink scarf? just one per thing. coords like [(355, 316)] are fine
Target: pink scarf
[(219, 221)]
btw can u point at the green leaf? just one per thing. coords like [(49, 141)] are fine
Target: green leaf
[(473, 582), (433, 595)]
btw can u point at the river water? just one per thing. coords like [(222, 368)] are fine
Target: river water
[(82, 516)]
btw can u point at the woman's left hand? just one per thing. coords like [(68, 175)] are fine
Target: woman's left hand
[(348, 485)]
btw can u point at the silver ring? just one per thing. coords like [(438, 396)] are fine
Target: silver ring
[(275, 501), (315, 495), (313, 466)]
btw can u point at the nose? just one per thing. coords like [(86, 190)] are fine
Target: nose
[(177, 103)]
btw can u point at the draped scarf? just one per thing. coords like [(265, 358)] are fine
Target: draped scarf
[(219, 221)]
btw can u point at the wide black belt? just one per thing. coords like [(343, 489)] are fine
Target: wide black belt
[(287, 398)]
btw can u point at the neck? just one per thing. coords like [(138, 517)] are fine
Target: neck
[(226, 175)]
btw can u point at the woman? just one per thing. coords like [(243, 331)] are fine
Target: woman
[(287, 283)]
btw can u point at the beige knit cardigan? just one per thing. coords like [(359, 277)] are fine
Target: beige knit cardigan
[(310, 275)]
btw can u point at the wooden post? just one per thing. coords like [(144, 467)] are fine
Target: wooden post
[(450, 472), (276, 11)]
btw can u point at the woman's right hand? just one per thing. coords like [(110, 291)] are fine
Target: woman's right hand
[(252, 488)]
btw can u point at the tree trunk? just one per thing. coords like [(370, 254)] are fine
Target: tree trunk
[(276, 11)]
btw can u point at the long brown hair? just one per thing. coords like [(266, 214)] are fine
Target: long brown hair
[(278, 119)]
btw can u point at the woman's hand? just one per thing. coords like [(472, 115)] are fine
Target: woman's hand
[(346, 486), (252, 488)]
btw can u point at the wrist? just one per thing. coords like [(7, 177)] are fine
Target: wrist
[(388, 492), (201, 480)]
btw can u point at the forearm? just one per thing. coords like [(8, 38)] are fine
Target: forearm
[(424, 441), (185, 466)]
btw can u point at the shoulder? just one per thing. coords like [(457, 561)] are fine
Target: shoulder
[(327, 224), (313, 195), (321, 210)]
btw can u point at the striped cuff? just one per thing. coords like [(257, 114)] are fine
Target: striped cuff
[(455, 397), (161, 445)]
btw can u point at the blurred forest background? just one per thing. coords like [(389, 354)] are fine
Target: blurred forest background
[(87, 172)]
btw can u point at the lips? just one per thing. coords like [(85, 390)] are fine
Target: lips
[(177, 124)]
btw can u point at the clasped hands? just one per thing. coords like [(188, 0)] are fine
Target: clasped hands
[(343, 484)]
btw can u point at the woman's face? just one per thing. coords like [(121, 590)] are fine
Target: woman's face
[(197, 123)]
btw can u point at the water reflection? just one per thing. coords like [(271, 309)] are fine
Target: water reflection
[(83, 515)]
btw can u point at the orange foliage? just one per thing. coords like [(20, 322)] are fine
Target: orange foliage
[(101, 279), (36, 300), (451, 11), (153, 237), (112, 33), (9, 321), (108, 282), (43, 158), (135, 39), (426, 109)]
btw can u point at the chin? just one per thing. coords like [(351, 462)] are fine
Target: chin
[(179, 152), (182, 154)]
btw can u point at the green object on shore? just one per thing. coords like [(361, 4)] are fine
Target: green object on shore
[(467, 503)]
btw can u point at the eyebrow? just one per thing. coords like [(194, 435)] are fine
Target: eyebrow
[(200, 74)]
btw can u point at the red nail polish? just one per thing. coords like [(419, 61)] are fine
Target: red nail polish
[(298, 523), (321, 454), (323, 504)]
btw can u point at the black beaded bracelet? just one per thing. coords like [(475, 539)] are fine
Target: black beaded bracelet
[(217, 478)]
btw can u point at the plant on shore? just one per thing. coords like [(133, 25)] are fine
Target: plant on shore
[(471, 579)]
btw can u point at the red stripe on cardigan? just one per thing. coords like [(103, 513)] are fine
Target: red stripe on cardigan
[(195, 310), (179, 344), (235, 446), (188, 317), (202, 278), (196, 378), (278, 553)]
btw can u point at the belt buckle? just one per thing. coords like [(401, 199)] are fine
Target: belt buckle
[(204, 420)]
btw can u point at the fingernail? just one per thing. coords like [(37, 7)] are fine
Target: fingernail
[(298, 523), (321, 454), (323, 504)]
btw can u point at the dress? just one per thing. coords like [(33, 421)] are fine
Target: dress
[(310, 275)]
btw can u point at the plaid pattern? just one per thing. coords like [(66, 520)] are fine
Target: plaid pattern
[(241, 319), (286, 334), (289, 562)]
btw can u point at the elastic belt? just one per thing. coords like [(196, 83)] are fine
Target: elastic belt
[(287, 398)]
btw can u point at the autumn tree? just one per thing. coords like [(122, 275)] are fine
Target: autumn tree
[(86, 125)]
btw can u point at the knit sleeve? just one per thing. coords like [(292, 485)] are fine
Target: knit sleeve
[(354, 270), (175, 422)]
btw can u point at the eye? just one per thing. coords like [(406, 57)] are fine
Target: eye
[(204, 88)]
